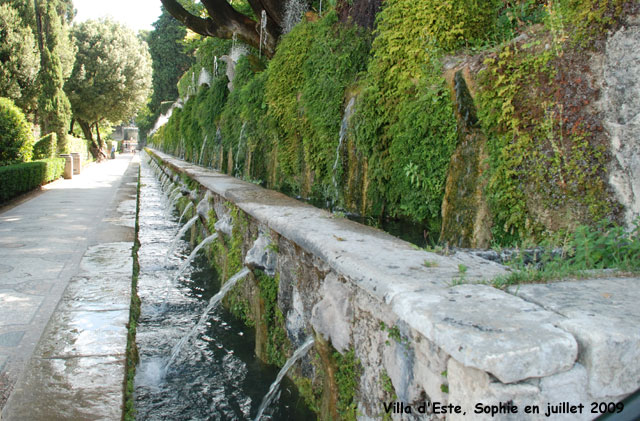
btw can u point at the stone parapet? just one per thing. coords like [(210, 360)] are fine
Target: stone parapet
[(430, 322)]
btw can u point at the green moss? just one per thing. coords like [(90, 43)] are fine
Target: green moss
[(247, 131), (240, 225), (455, 24), (583, 20), (134, 313), (211, 221), (239, 306), (311, 394), (395, 334), (305, 90), (542, 178), (404, 121), (347, 378), (278, 345), (390, 392)]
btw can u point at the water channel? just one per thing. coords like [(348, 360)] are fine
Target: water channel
[(216, 375)]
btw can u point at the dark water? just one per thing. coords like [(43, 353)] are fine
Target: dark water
[(409, 231), (216, 376)]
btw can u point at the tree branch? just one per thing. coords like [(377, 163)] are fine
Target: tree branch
[(202, 26), (224, 21)]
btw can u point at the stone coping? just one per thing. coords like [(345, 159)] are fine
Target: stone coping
[(502, 333)]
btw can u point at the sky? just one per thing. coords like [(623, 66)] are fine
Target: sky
[(136, 14)]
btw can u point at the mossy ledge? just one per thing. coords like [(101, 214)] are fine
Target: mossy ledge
[(129, 413)]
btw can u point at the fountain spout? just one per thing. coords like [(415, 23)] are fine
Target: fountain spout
[(215, 300), (193, 254), (179, 235), (274, 386), (184, 212)]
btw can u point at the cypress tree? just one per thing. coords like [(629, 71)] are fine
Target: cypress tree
[(53, 105)]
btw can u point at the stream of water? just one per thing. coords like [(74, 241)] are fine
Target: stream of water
[(216, 375)]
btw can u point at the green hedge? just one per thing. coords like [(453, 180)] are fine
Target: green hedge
[(45, 147), (16, 140), (21, 178), (81, 146)]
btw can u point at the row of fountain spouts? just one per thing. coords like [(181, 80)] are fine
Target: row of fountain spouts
[(217, 298)]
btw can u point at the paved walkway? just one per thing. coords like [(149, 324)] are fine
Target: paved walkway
[(65, 272)]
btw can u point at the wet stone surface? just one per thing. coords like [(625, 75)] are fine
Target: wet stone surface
[(81, 333), (55, 388), (97, 293), (79, 364), (64, 304)]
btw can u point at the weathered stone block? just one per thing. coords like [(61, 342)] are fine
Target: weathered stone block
[(333, 315), (603, 315), (488, 329), (261, 255), (469, 387), (620, 104)]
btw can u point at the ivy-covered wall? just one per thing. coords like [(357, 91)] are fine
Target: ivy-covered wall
[(544, 154)]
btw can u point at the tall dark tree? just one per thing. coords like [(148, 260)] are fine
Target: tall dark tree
[(223, 21), (169, 59), (56, 61), (19, 56)]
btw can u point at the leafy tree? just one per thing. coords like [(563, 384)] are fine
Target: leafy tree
[(111, 78), (57, 55), (19, 57), (16, 139)]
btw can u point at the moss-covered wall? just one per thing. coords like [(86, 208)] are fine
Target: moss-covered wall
[(533, 164)]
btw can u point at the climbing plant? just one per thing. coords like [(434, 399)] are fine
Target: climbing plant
[(404, 121), (305, 92)]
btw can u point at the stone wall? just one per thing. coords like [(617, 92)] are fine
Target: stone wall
[(617, 70), (424, 328)]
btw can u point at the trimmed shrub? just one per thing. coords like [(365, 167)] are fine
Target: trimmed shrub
[(16, 140), (21, 178), (45, 147)]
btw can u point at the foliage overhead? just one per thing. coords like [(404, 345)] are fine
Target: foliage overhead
[(57, 55)]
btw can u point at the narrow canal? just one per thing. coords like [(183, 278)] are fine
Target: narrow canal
[(216, 375)]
